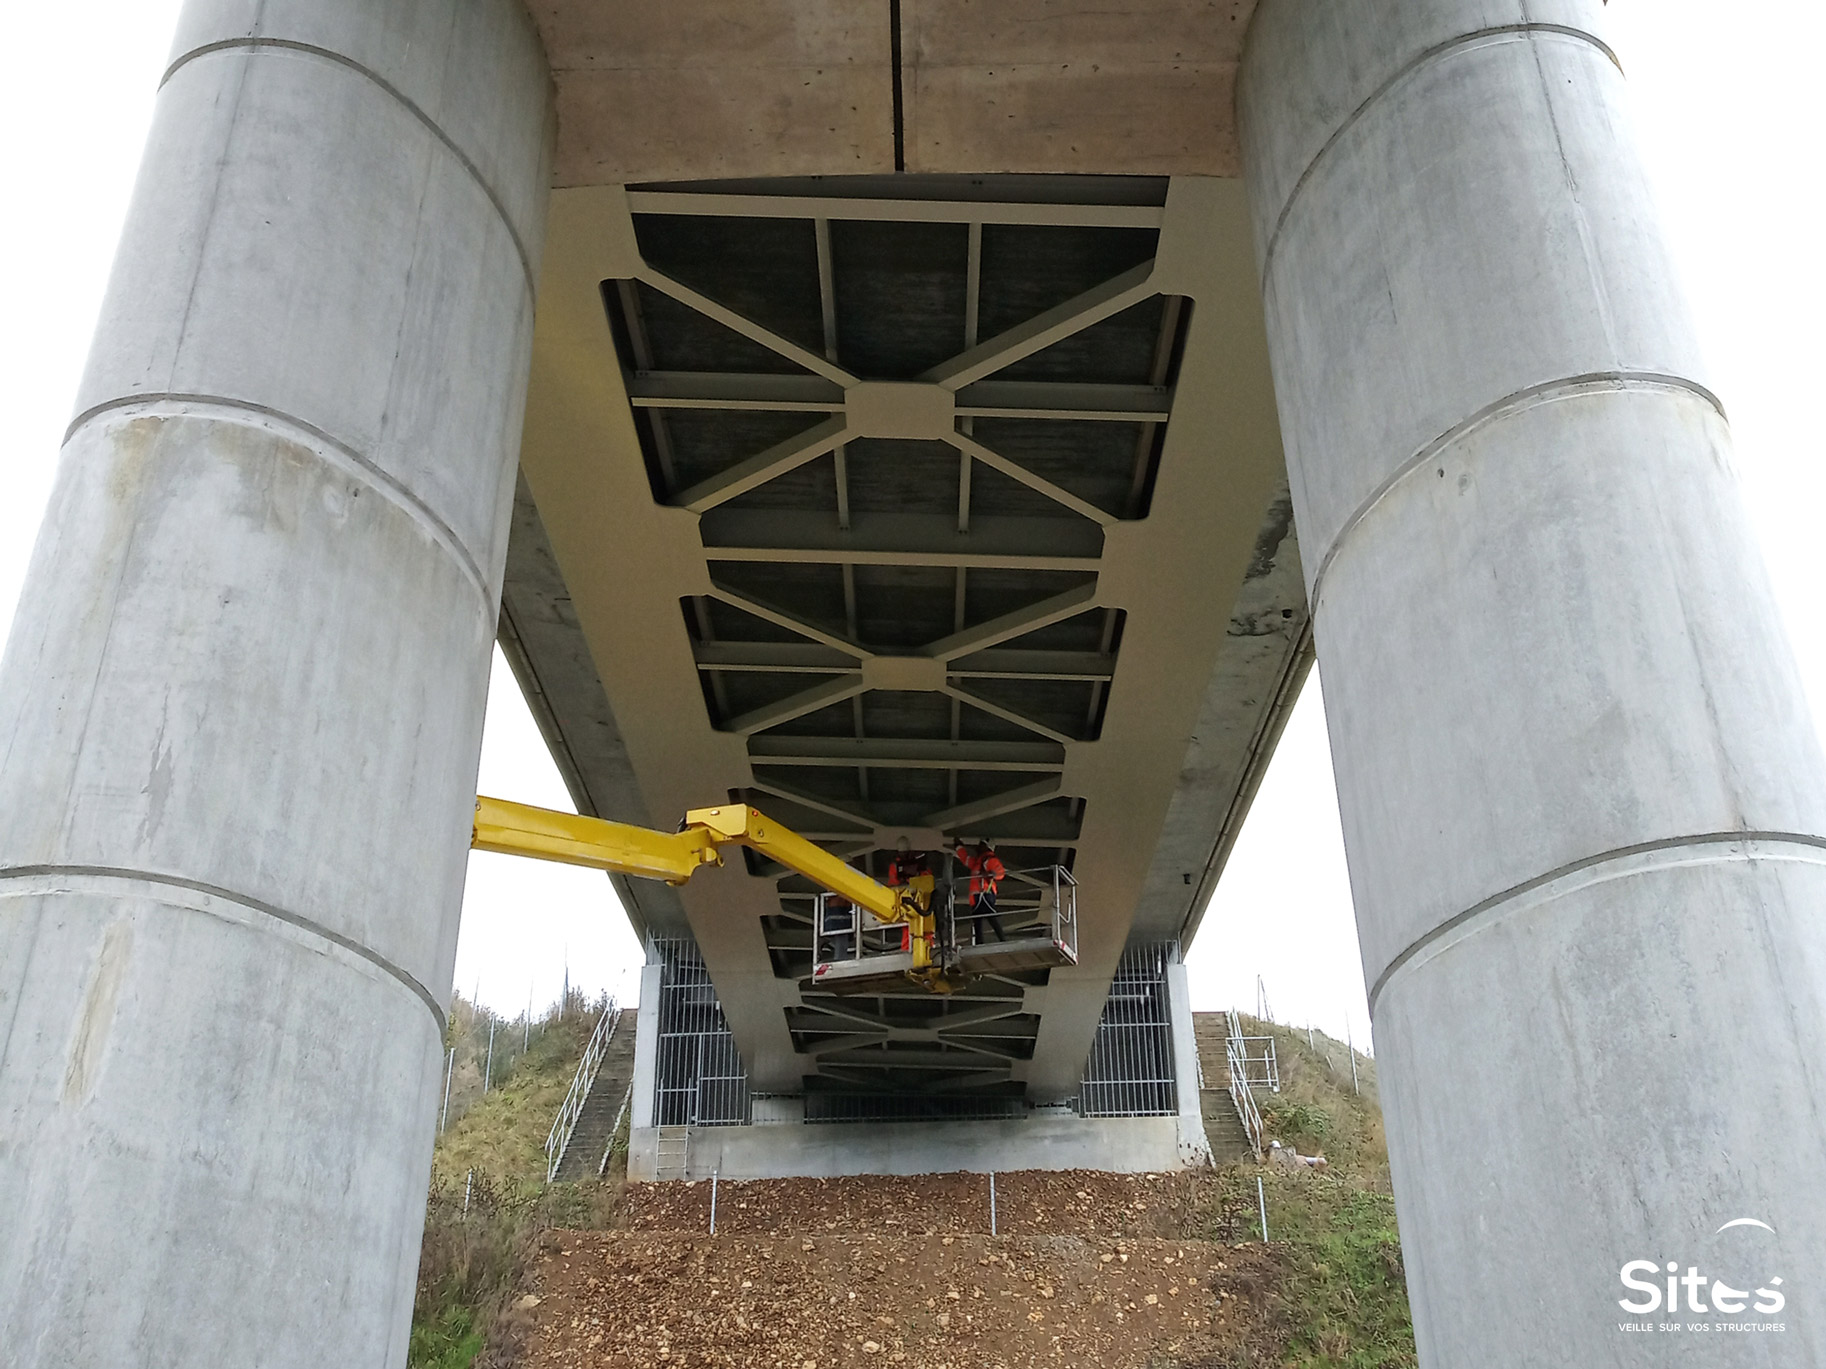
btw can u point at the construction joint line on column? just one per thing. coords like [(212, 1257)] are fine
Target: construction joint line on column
[(359, 467), (141, 878), (253, 44), (1548, 391), (1495, 33), (1489, 909)]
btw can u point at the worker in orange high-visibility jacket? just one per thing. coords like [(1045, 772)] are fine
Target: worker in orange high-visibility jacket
[(986, 872), (912, 870)]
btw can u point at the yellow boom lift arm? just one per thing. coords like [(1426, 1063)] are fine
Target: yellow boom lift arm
[(519, 829)]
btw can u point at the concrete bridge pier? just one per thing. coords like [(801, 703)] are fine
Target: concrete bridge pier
[(241, 707), (1582, 796)]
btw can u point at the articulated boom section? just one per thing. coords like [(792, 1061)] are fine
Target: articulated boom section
[(519, 829)]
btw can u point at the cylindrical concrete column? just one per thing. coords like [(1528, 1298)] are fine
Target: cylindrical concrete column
[(1582, 797), (241, 707)]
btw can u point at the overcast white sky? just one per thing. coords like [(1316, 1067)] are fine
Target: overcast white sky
[(1731, 124)]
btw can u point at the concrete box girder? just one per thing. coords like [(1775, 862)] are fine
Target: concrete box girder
[(718, 88)]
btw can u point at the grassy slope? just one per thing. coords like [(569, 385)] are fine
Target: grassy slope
[(502, 1134), (1344, 1304), (494, 1151)]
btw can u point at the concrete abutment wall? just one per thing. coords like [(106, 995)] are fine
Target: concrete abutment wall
[(1582, 797), (241, 706)]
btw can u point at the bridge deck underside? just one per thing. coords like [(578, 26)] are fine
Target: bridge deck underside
[(853, 510)]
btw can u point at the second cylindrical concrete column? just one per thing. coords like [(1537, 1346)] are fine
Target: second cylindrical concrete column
[(240, 711), (1582, 796)]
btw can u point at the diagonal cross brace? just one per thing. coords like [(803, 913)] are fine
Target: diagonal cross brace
[(1040, 332)]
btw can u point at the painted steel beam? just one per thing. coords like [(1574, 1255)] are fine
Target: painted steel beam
[(892, 210), (1014, 663), (744, 325), (782, 657), (912, 753), (1015, 471), (773, 535), (865, 556), (758, 469), (733, 390), (1010, 625), (997, 663), (935, 1058), (1066, 399), (1041, 331), (760, 392), (1009, 715), (796, 705), (975, 1017), (846, 1042), (981, 810), (793, 794), (781, 618)]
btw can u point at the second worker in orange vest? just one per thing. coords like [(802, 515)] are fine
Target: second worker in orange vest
[(986, 872)]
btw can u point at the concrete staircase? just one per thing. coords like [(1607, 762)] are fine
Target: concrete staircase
[(1223, 1128), (596, 1123)]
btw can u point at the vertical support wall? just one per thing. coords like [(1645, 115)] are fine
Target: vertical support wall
[(1582, 796), (646, 1048), (643, 1153), (241, 707), (1194, 1146)]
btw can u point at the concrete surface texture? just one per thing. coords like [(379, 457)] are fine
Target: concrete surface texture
[(1582, 797), (702, 89), (241, 708), (1116, 1145)]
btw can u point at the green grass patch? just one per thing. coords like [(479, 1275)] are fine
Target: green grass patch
[(446, 1340), (1345, 1296)]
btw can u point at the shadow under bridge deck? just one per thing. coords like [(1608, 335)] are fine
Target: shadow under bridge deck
[(924, 507)]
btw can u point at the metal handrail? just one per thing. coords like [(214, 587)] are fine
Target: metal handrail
[(1045, 891), (846, 940), (1264, 1068), (559, 1137), (621, 1113), (1236, 1057), (843, 932)]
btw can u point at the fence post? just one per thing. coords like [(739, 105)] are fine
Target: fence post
[(1261, 1200), (489, 1069), (449, 1069), (992, 1202), (715, 1174)]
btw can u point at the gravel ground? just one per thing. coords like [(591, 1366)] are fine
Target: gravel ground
[(808, 1274), (1032, 1202)]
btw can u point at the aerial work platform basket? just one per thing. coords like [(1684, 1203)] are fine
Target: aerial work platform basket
[(1034, 926)]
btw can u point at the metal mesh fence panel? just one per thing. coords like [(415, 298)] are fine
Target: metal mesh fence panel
[(1130, 1070), (699, 1078)]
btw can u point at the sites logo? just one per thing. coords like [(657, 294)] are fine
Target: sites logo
[(1658, 1289)]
